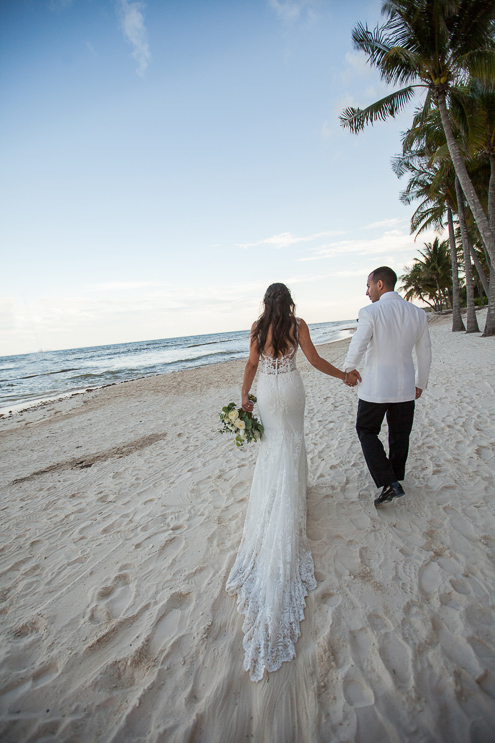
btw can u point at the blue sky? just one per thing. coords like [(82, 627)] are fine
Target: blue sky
[(163, 162)]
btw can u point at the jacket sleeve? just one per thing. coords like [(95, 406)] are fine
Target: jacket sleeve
[(359, 341), (423, 356)]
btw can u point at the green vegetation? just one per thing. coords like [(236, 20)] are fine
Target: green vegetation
[(445, 48)]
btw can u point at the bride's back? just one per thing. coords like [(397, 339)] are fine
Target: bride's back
[(269, 350)]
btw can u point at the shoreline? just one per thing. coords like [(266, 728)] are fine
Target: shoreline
[(21, 406), (122, 512)]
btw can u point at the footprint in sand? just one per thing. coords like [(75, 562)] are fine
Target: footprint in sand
[(12, 693), (483, 651), (396, 658), (357, 693), (45, 674), (360, 641), (348, 556), (461, 586), (430, 578), (379, 623), (462, 527), (113, 599), (360, 520), (169, 622), (332, 600), (32, 627)]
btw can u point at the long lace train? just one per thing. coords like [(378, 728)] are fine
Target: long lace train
[(273, 571)]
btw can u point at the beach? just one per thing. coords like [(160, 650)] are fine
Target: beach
[(122, 510)]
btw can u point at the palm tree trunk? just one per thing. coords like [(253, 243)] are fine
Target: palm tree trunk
[(479, 215), (420, 296), (440, 297), (479, 269), (480, 289), (491, 193), (472, 322), (457, 323), (490, 315)]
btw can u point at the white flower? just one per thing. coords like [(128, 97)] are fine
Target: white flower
[(233, 415), (240, 424)]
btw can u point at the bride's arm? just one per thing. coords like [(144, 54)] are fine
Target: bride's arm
[(250, 373), (321, 364)]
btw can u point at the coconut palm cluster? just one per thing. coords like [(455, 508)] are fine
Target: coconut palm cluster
[(444, 49)]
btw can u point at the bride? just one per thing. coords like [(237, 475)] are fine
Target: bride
[(274, 571)]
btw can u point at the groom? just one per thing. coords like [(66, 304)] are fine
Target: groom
[(388, 331)]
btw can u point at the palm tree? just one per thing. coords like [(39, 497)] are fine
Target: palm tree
[(483, 98), (437, 184), (415, 284), (433, 184), (436, 267), (434, 45), (429, 278)]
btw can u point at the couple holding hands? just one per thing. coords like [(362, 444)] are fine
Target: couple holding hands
[(273, 571)]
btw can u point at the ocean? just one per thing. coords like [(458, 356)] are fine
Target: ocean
[(29, 379)]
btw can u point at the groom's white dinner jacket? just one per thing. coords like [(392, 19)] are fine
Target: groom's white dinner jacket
[(387, 331)]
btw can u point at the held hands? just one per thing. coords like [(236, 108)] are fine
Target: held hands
[(352, 378)]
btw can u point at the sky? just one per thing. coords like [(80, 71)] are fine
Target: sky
[(163, 162)]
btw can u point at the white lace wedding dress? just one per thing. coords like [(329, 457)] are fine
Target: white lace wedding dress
[(273, 571)]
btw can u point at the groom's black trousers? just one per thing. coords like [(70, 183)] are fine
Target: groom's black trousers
[(400, 415)]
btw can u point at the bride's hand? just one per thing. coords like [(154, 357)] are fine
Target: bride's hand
[(246, 404), (352, 378)]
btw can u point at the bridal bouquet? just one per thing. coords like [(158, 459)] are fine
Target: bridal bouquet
[(246, 427)]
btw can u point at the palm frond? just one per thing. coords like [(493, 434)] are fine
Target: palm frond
[(481, 65), (471, 25), (400, 65), (409, 162), (442, 153), (469, 118), (373, 43), (356, 119), (426, 217)]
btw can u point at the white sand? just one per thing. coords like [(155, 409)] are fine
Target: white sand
[(114, 619)]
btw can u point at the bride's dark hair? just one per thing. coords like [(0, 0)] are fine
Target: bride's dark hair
[(279, 314)]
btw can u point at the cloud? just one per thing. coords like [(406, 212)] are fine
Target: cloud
[(59, 5), (290, 10), (383, 223), (357, 67), (327, 130), (286, 238), (92, 49), (132, 23), (391, 243), (118, 285), (7, 314)]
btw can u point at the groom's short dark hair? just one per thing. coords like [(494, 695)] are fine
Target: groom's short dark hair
[(385, 274)]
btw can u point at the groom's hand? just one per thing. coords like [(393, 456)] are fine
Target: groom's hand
[(418, 393)]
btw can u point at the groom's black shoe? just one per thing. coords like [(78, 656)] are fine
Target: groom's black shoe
[(389, 492)]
